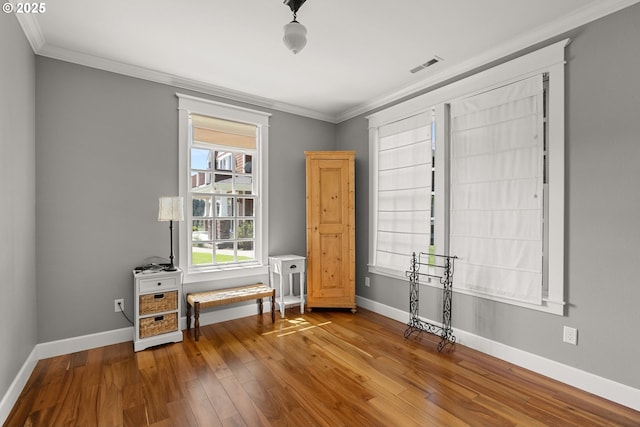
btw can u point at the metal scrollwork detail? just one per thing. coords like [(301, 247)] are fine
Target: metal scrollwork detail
[(446, 279)]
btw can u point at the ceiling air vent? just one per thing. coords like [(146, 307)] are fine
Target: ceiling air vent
[(429, 63)]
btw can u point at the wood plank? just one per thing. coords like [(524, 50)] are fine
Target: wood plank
[(222, 404), (437, 416), (110, 407), (87, 406), (49, 392), (134, 416), (152, 383), (249, 412)]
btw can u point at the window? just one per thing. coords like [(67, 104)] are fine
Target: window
[(403, 151), (514, 248), (497, 192), (223, 182)]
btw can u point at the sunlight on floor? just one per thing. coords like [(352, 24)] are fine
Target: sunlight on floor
[(295, 325)]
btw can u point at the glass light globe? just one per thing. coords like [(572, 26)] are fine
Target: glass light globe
[(295, 36)]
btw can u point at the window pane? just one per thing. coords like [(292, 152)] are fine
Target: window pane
[(244, 184), (245, 206), (245, 229), (496, 179), (224, 229), (224, 206), (223, 184), (201, 230), (201, 206), (224, 160), (225, 252), (243, 163), (200, 182), (200, 159), (246, 251), (404, 189), (202, 253)]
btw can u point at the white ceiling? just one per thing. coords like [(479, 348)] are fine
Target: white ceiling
[(358, 55)]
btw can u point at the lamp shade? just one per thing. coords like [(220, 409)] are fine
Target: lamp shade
[(295, 36), (170, 209)]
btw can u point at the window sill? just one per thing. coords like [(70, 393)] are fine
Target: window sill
[(394, 274), (403, 275), (245, 271), (547, 306)]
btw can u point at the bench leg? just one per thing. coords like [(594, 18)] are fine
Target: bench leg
[(259, 305), (273, 307), (188, 315), (196, 316)]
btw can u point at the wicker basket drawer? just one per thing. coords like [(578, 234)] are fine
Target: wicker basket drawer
[(157, 303), (156, 325)]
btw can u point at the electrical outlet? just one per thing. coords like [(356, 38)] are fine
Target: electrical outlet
[(118, 305), (367, 282), (570, 335)]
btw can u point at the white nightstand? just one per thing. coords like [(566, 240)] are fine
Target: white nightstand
[(288, 265), (158, 298)]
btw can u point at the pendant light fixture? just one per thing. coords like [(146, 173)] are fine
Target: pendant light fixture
[(295, 34)]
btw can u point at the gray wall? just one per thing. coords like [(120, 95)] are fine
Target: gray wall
[(107, 148), (17, 209), (602, 218), (289, 137)]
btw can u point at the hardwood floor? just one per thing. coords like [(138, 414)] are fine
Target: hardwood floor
[(325, 368)]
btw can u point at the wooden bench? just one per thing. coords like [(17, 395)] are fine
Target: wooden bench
[(218, 297)]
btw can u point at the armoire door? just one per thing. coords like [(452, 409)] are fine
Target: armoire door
[(330, 229)]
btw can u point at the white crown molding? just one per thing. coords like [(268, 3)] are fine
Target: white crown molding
[(591, 12), (100, 63), (587, 14), (31, 30), (603, 387)]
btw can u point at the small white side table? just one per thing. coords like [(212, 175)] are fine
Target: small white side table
[(288, 265), (158, 302)]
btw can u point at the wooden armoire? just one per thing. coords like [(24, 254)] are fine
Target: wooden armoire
[(331, 229)]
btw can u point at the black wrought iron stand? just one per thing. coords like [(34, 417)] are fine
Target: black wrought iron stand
[(440, 268)]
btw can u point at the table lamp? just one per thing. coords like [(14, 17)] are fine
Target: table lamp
[(170, 209)]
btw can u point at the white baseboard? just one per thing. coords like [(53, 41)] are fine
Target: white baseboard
[(17, 385), (101, 339), (603, 387), (83, 342)]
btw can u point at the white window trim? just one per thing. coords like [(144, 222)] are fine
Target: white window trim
[(549, 60), (189, 104)]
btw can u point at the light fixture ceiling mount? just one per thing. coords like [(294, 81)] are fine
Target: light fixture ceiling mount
[(295, 34)]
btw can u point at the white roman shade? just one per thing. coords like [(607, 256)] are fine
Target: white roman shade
[(403, 215), (211, 130), (496, 204)]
